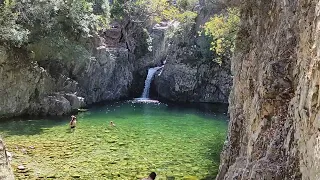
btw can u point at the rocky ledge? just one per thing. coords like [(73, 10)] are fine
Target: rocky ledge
[(6, 172)]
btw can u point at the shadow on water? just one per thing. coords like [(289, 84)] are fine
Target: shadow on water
[(213, 153), (30, 125), (206, 110)]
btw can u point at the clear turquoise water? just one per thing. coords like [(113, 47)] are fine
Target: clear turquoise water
[(172, 140)]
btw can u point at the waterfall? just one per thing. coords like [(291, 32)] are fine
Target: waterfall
[(147, 82)]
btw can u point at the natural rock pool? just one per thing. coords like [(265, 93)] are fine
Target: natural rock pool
[(177, 141)]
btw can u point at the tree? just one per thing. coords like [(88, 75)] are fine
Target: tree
[(62, 26), (154, 10), (187, 5), (10, 31), (223, 30)]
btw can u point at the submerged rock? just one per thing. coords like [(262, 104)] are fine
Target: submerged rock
[(51, 176), (112, 141), (21, 167), (75, 176)]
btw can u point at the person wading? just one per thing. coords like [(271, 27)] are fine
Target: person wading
[(73, 123)]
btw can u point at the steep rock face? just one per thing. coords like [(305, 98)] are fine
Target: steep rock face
[(274, 103), (189, 74), (201, 83), (19, 84), (60, 86), (108, 76), (27, 88), (109, 73), (5, 169)]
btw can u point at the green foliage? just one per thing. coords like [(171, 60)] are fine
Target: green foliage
[(9, 30), (223, 29), (65, 22), (117, 9), (58, 47), (162, 10), (185, 30), (186, 5), (154, 10), (186, 17), (71, 15)]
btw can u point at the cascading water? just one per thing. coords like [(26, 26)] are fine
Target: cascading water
[(147, 82)]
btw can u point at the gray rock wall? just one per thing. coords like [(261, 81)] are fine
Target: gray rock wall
[(107, 76), (189, 74), (274, 103), (58, 87), (202, 83)]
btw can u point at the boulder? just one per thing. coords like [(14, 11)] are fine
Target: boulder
[(75, 101), (6, 172), (107, 76)]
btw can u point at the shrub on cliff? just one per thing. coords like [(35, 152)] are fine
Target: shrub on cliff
[(154, 10), (187, 5), (10, 31), (223, 29)]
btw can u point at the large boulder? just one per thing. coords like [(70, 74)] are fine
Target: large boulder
[(27, 88), (75, 101), (6, 172), (107, 76), (184, 83), (22, 83), (56, 104)]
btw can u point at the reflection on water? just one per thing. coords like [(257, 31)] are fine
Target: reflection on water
[(172, 140)]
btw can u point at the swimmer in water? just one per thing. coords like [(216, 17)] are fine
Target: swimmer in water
[(152, 176), (112, 124)]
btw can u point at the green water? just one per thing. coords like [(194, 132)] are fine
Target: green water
[(173, 141)]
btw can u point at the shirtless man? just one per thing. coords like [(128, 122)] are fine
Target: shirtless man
[(152, 176), (73, 122)]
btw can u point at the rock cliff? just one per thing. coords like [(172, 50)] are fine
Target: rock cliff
[(190, 75), (115, 68), (51, 86), (5, 169), (274, 103), (27, 88), (108, 76)]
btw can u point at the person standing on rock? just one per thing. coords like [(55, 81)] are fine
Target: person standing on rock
[(73, 123), (152, 176)]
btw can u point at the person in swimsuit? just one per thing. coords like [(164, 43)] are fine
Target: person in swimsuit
[(152, 176), (73, 122)]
